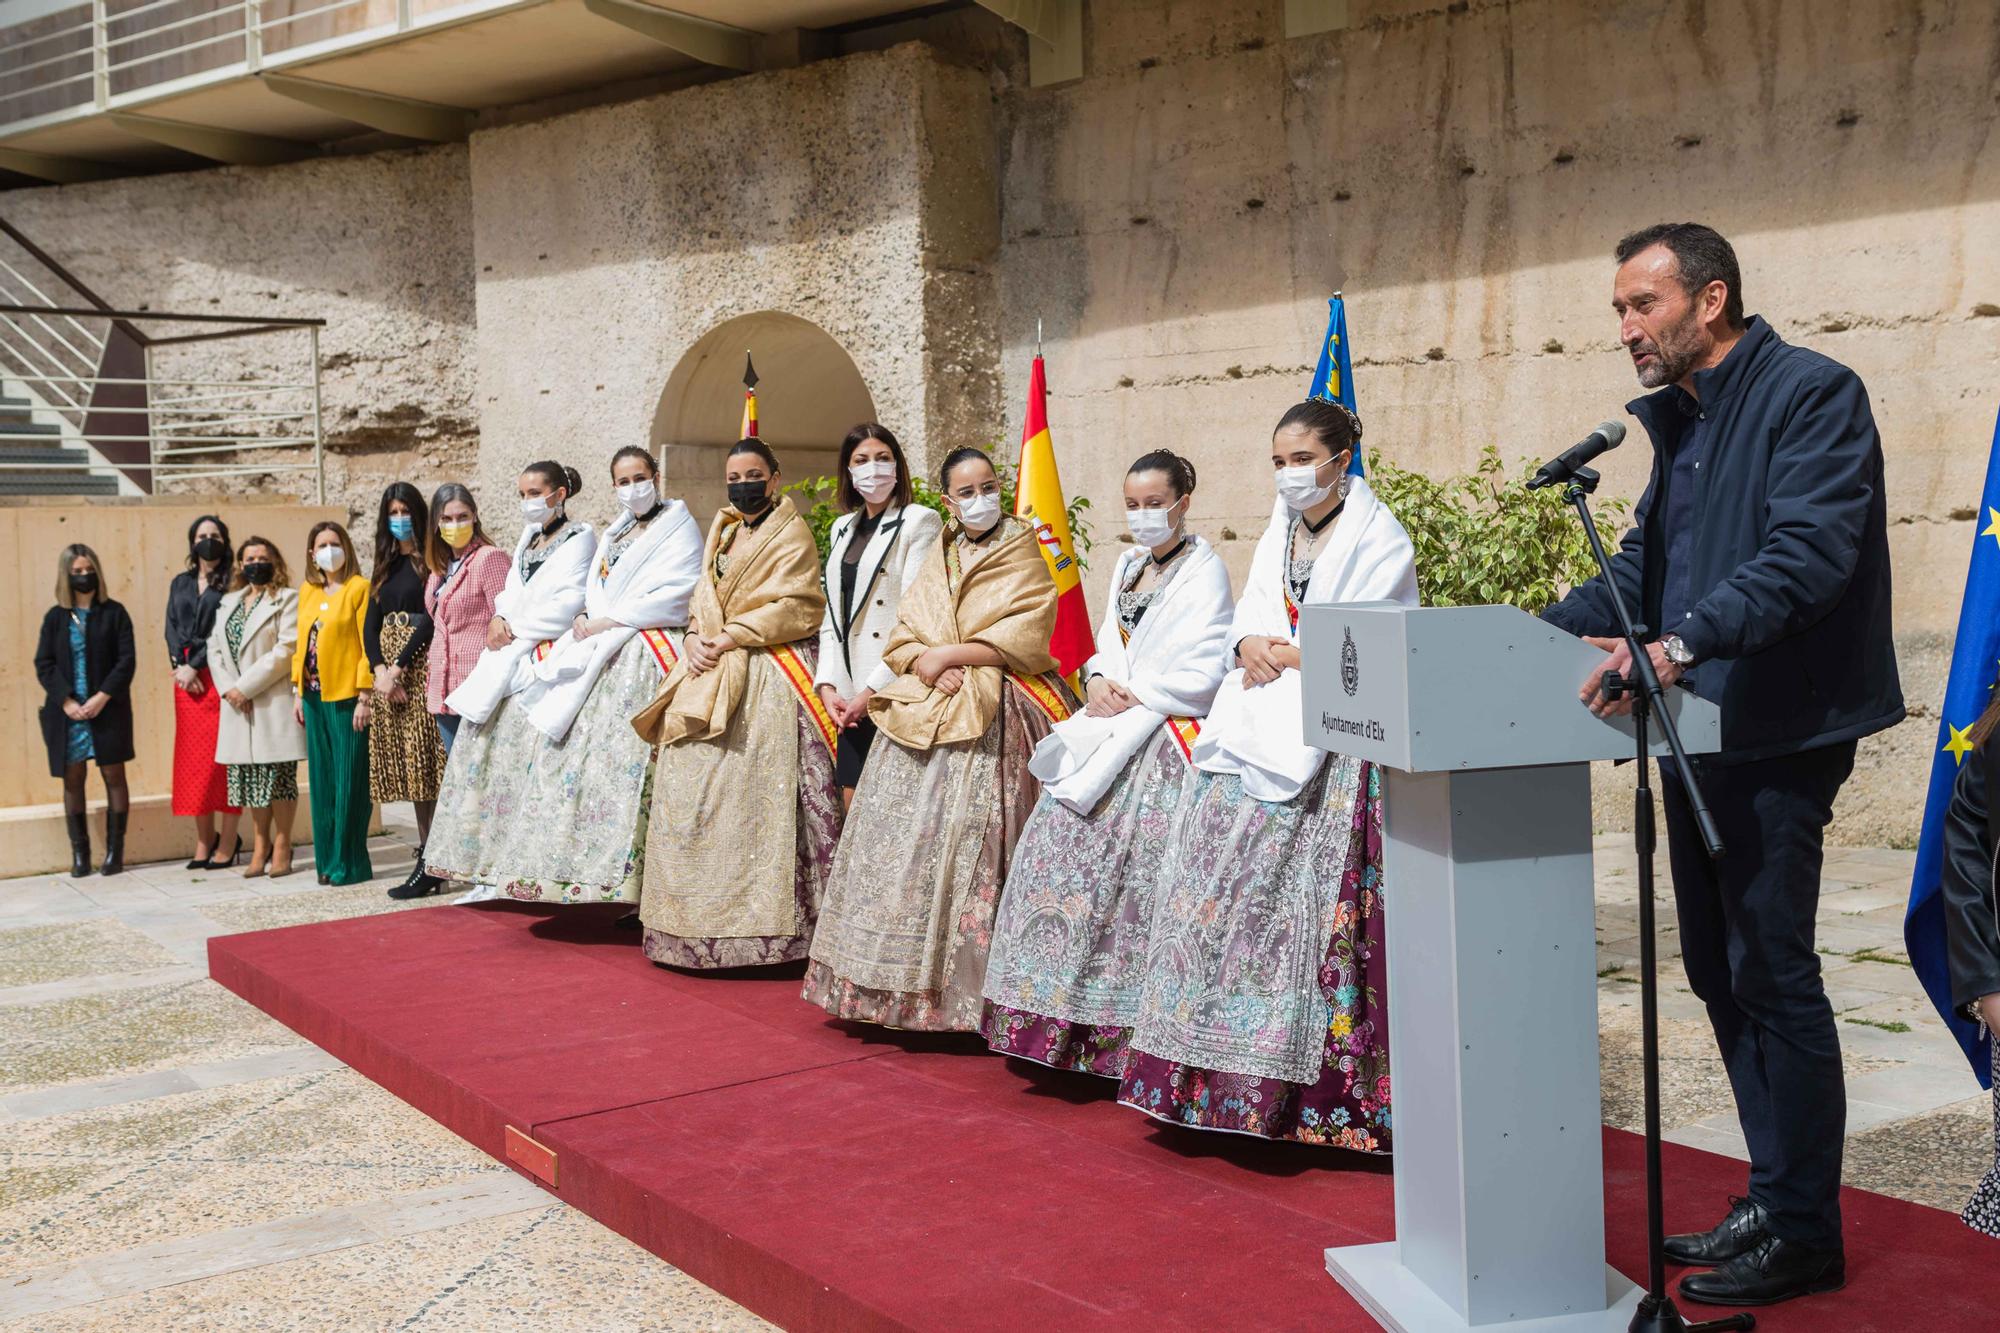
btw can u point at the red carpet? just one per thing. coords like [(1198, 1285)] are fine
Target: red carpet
[(833, 1177)]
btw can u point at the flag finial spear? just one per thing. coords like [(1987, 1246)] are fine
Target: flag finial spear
[(1038, 335), (749, 372)]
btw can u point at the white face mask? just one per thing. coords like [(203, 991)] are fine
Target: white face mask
[(639, 496), (1152, 527), (875, 480), (1300, 489), (979, 513), (329, 558), (536, 509)]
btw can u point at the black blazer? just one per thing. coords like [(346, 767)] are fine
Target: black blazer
[(191, 604), (1971, 915), (109, 661), (1789, 558)]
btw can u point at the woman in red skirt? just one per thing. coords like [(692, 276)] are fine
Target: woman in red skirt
[(201, 786)]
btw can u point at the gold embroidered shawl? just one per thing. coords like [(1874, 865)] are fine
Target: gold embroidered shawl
[(1006, 601), (770, 595)]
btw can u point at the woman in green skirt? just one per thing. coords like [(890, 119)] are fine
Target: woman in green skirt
[(330, 675)]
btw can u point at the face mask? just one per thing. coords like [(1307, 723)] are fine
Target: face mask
[(980, 513), (748, 497), (83, 583), (1300, 489), (402, 527), (329, 558), (455, 535), (539, 510), (1152, 527), (638, 497), (874, 480), (258, 573), (208, 548)]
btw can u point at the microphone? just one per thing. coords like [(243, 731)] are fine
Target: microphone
[(1608, 436)]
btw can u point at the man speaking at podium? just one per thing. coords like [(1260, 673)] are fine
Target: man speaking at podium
[(1760, 560)]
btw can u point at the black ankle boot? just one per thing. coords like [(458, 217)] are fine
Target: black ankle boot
[(114, 842), (420, 884), (79, 844)]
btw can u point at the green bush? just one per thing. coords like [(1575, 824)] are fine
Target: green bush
[(816, 500), (1483, 539)]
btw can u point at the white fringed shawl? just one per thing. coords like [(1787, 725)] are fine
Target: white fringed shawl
[(537, 610)]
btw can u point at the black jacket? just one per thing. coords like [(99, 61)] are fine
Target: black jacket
[(109, 661), (1789, 574), (1971, 917), (191, 607)]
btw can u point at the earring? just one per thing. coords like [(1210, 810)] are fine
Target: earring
[(1346, 481)]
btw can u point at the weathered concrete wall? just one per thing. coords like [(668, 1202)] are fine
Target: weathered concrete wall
[(856, 194), (1179, 216), (379, 246)]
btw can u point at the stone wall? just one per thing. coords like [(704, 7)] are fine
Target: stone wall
[(1179, 216), (379, 246)]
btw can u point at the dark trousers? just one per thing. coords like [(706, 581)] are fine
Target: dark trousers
[(1747, 943)]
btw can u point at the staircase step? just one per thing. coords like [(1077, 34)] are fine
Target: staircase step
[(28, 483), (20, 423), (35, 453)]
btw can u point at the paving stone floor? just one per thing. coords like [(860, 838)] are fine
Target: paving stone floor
[(172, 1158)]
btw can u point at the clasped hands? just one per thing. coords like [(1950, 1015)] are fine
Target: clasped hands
[(1265, 659), (85, 710), (704, 651), (1620, 660), (1105, 697)]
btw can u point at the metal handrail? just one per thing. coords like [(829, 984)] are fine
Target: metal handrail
[(84, 26), (143, 33), (81, 53), (276, 321)]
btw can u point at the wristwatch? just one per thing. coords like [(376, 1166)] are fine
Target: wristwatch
[(1677, 652)]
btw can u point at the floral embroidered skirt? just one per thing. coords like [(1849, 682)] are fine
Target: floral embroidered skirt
[(552, 821), (1982, 1211), (908, 917), (1068, 968), (1265, 1010)]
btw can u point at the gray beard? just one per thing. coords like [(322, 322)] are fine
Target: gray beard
[(1674, 355)]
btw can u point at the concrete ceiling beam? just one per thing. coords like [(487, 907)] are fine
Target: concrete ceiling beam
[(53, 169), (390, 114), (1055, 36), (710, 43), (236, 148)]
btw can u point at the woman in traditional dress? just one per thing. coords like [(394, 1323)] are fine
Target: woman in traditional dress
[(874, 552), (745, 813), (1069, 947), (1264, 1009), (591, 775), (334, 688), (201, 785), (908, 918), (260, 740), (405, 754), (487, 823), (468, 574), (1972, 923)]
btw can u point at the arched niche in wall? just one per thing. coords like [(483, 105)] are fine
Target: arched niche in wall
[(809, 394)]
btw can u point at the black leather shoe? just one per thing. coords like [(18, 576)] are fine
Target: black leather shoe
[(1735, 1234), (1775, 1270)]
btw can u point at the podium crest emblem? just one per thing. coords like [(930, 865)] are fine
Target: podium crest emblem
[(1350, 663)]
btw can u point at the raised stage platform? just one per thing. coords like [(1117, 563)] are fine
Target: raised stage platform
[(830, 1176)]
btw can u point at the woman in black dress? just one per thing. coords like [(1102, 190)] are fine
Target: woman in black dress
[(85, 662)]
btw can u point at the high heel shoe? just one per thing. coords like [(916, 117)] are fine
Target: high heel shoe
[(226, 862), (200, 862)]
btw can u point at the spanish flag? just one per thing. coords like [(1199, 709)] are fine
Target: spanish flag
[(749, 431), (1038, 498)]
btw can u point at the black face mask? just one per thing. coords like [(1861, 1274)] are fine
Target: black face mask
[(83, 583), (748, 496), (258, 573), (209, 548)]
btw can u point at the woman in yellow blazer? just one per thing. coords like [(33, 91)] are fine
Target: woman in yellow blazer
[(331, 680)]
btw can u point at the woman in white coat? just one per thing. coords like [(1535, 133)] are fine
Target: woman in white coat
[(592, 774), (1068, 966), (259, 739), (876, 548), (486, 819), (1265, 1005)]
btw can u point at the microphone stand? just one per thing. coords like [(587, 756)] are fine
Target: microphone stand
[(1657, 1312)]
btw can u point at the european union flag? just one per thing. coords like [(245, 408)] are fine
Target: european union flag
[(1333, 377), (1974, 655)]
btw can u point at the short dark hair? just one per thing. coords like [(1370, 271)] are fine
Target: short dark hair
[(844, 491), (1701, 256), (556, 476), (757, 447), (1180, 472), (635, 451), (965, 453), (1330, 423)]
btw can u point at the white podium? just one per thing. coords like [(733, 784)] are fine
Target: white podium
[(1490, 916)]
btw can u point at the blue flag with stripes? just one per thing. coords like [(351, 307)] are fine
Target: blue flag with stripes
[(1975, 661), (1333, 377)]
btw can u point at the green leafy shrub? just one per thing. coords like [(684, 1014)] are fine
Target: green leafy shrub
[(816, 500), (1482, 538)]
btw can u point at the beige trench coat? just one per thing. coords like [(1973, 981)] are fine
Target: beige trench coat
[(271, 733)]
